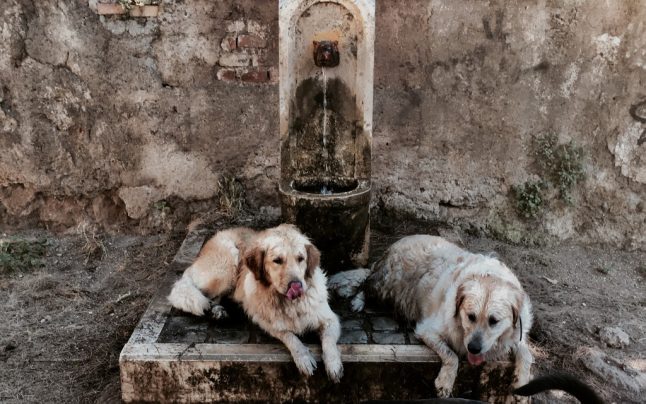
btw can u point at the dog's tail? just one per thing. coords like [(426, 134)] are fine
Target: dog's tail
[(348, 284), (187, 297), (560, 381)]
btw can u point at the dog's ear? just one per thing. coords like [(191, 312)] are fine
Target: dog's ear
[(459, 299), (255, 261), (313, 260)]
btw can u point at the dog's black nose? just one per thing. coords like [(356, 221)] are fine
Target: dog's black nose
[(474, 346)]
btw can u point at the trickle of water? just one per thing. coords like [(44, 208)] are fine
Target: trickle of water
[(325, 190), (325, 119), (324, 106)]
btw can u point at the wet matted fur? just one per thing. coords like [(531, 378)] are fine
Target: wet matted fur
[(464, 304), (275, 275)]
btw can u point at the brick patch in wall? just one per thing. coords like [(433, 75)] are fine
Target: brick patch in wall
[(251, 41), (244, 55), (229, 43), (135, 11), (256, 76), (227, 75)]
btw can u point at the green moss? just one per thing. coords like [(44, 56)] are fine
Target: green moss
[(529, 198), (561, 164), (19, 254), (560, 168), (163, 206)]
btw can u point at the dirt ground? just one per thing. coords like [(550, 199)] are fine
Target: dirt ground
[(63, 324)]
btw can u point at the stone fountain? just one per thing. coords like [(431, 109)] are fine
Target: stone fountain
[(326, 87), (326, 74)]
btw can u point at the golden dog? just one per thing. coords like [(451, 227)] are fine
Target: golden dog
[(275, 275), (463, 303)]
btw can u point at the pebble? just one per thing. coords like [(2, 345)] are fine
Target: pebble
[(614, 337)]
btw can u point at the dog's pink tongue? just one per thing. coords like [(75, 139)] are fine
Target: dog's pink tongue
[(295, 290), (475, 359)]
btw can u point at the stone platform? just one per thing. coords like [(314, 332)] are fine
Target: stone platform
[(175, 357)]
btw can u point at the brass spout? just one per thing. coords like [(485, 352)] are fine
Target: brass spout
[(326, 53)]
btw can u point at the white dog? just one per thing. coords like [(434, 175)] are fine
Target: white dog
[(275, 276), (464, 304)]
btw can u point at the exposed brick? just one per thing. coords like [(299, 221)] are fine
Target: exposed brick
[(144, 11), (226, 74), (235, 59), (251, 41), (256, 76), (135, 11), (109, 8), (228, 43), (273, 74)]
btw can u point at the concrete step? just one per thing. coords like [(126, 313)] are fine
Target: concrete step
[(174, 357)]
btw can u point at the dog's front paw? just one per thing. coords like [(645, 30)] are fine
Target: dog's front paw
[(333, 365), (305, 362), (218, 312), (444, 383), (443, 392)]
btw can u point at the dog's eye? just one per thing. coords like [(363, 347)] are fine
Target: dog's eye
[(278, 260), (492, 321), (300, 258), (472, 317)]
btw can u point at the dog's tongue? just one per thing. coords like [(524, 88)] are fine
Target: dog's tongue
[(475, 359), (295, 290)]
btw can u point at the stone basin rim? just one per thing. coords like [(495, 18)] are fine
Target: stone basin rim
[(362, 189)]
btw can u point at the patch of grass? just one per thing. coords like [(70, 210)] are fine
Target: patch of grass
[(529, 198), (20, 254), (163, 206), (231, 196), (560, 167), (93, 246), (561, 163)]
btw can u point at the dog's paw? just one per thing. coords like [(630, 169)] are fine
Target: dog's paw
[(333, 366), (358, 302), (305, 362), (444, 383), (218, 312), (443, 392)]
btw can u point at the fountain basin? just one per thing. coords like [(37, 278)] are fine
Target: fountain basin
[(338, 223)]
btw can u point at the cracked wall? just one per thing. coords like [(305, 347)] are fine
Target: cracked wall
[(103, 116)]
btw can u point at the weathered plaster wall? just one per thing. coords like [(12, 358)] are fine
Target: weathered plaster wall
[(101, 117)]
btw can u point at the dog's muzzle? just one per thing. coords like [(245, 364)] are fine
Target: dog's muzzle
[(294, 290), (475, 347)]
